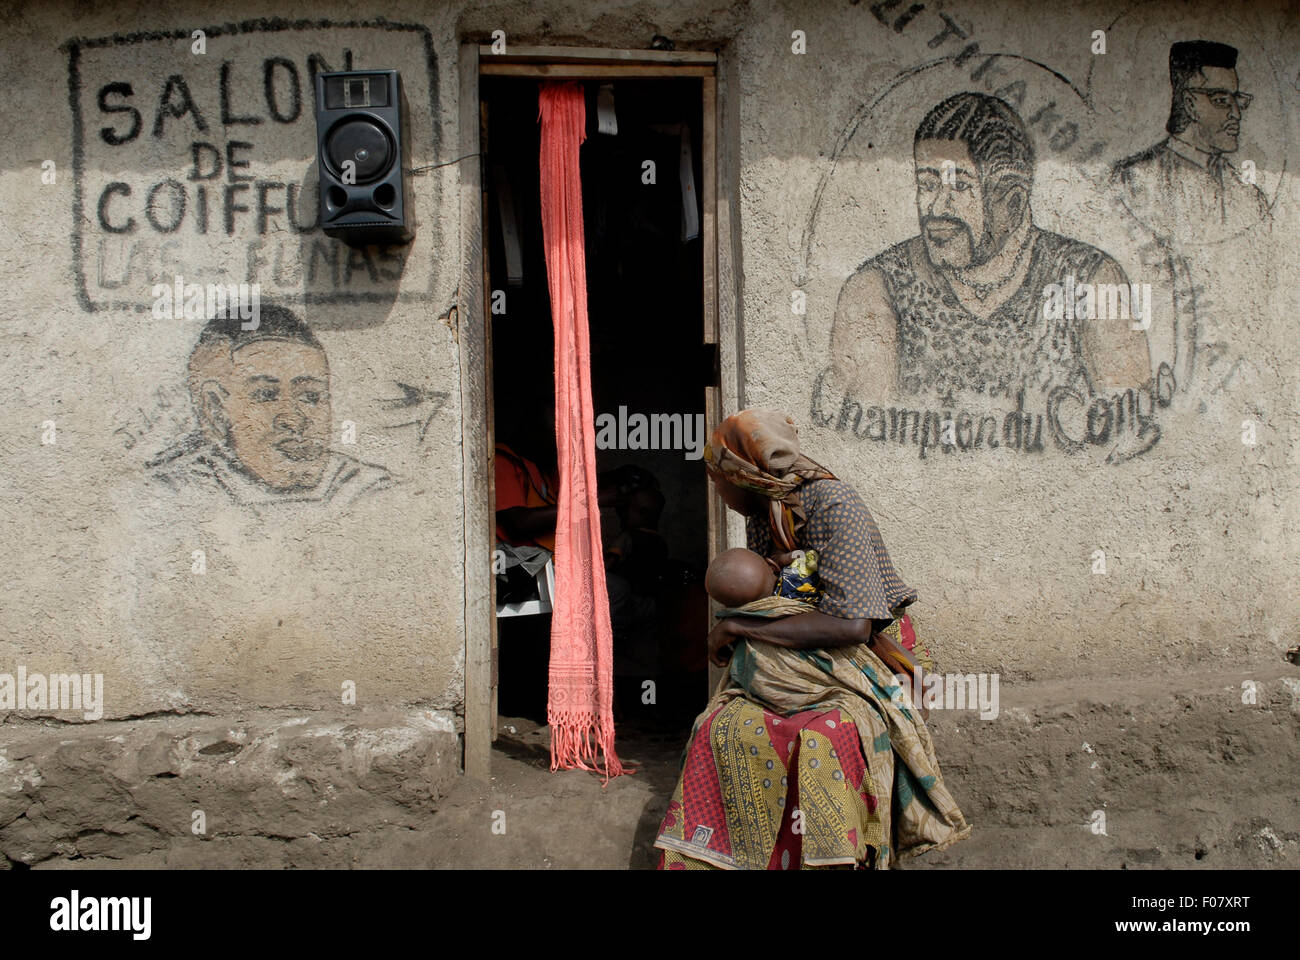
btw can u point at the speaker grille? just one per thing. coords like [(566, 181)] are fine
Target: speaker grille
[(363, 142)]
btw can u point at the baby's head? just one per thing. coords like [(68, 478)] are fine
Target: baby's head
[(736, 577)]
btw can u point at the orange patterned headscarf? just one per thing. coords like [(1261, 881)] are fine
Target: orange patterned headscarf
[(758, 451)]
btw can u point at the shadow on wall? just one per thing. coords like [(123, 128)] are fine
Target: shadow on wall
[(329, 266)]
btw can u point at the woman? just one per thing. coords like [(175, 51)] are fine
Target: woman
[(810, 754)]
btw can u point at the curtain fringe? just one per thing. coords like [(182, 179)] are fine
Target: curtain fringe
[(577, 740)]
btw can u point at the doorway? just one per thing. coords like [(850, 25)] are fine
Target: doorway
[(650, 275)]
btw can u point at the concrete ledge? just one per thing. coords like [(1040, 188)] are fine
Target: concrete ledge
[(123, 788)]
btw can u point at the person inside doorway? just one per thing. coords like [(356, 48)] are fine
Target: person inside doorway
[(528, 489), (527, 510), (526, 507)]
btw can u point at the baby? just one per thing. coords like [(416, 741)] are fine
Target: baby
[(746, 584), (739, 577)]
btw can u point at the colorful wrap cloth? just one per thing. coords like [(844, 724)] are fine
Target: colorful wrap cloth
[(824, 737)]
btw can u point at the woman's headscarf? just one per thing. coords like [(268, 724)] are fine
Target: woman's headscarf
[(758, 451)]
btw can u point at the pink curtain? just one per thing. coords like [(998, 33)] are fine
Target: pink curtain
[(580, 707)]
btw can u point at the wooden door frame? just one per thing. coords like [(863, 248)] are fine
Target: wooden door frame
[(720, 164)]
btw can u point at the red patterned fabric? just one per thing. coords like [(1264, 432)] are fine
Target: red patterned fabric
[(843, 736), (818, 750), (701, 803), (907, 632), (581, 693)]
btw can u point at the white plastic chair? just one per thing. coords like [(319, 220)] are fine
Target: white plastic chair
[(545, 591)]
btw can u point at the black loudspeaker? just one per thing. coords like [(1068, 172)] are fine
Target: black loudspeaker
[(363, 154)]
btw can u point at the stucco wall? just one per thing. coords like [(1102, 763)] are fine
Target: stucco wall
[(353, 580), (298, 598)]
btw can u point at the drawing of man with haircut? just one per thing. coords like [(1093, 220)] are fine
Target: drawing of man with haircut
[(262, 401), (959, 306), (1186, 183)]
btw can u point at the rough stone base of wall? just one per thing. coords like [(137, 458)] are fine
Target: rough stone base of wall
[(117, 789), (1185, 773)]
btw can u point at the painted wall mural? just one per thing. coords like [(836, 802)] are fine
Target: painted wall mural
[(194, 168), (962, 300), (1187, 181), (262, 401), (984, 328)]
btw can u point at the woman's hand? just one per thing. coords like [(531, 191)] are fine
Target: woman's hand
[(721, 639)]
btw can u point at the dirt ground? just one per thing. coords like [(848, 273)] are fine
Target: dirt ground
[(1186, 775), (1190, 779)]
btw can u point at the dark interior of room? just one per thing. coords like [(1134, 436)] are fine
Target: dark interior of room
[(645, 303)]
